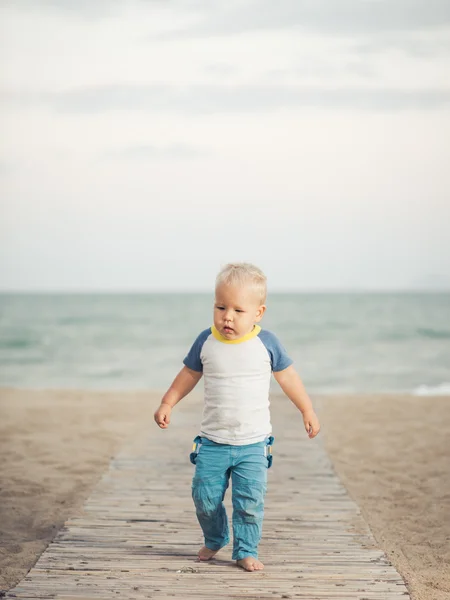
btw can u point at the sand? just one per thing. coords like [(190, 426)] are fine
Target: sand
[(54, 446), (392, 453)]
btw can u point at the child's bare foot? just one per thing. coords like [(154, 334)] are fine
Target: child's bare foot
[(206, 553), (250, 563)]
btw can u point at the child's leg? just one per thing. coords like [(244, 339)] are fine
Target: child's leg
[(249, 481), (209, 485)]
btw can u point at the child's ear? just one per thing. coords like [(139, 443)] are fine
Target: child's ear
[(260, 311)]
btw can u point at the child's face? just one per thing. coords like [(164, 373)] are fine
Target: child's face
[(236, 310)]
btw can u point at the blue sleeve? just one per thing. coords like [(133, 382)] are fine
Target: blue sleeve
[(278, 356), (193, 360)]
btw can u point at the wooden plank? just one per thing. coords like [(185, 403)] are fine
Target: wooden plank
[(137, 536)]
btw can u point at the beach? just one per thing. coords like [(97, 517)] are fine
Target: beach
[(54, 446), (391, 452)]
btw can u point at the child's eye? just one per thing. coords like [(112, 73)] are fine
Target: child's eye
[(219, 307), (239, 310)]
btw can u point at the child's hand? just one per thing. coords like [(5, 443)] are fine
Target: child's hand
[(162, 416), (312, 424)]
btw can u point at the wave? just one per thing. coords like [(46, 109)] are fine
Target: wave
[(442, 389), (17, 343), (433, 333)]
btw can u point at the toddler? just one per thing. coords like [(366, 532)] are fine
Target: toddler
[(237, 359)]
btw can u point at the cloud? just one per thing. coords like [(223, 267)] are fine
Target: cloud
[(83, 8), (413, 45), (213, 99), (338, 17), (325, 70), (5, 167), (335, 17), (221, 69), (174, 151)]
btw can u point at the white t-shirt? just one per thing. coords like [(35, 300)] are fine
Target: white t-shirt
[(237, 380)]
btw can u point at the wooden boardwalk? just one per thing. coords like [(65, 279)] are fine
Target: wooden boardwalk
[(137, 535)]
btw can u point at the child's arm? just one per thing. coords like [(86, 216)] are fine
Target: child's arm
[(184, 382), (293, 387)]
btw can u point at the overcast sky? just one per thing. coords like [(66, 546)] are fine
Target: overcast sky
[(143, 144)]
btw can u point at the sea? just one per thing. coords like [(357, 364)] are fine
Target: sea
[(340, 342)]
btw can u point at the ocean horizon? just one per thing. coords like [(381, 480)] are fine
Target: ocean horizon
[(341, 342)]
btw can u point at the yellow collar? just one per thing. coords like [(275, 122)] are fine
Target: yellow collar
[(248, 336)]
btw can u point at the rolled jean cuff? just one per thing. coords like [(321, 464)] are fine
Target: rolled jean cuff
[(217, 546)]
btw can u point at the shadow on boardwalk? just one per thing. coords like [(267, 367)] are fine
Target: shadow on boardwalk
[(137, 536)]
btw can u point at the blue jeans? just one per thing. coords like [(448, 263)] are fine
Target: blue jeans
[(247, 466)]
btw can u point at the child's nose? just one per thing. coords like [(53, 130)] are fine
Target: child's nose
[(227, 315)]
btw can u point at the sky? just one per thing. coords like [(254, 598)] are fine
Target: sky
[(144, 144)]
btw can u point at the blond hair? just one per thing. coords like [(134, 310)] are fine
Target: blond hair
[(243, 273)]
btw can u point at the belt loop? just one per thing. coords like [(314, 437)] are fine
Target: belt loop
[(195, 449), (269, 456)]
